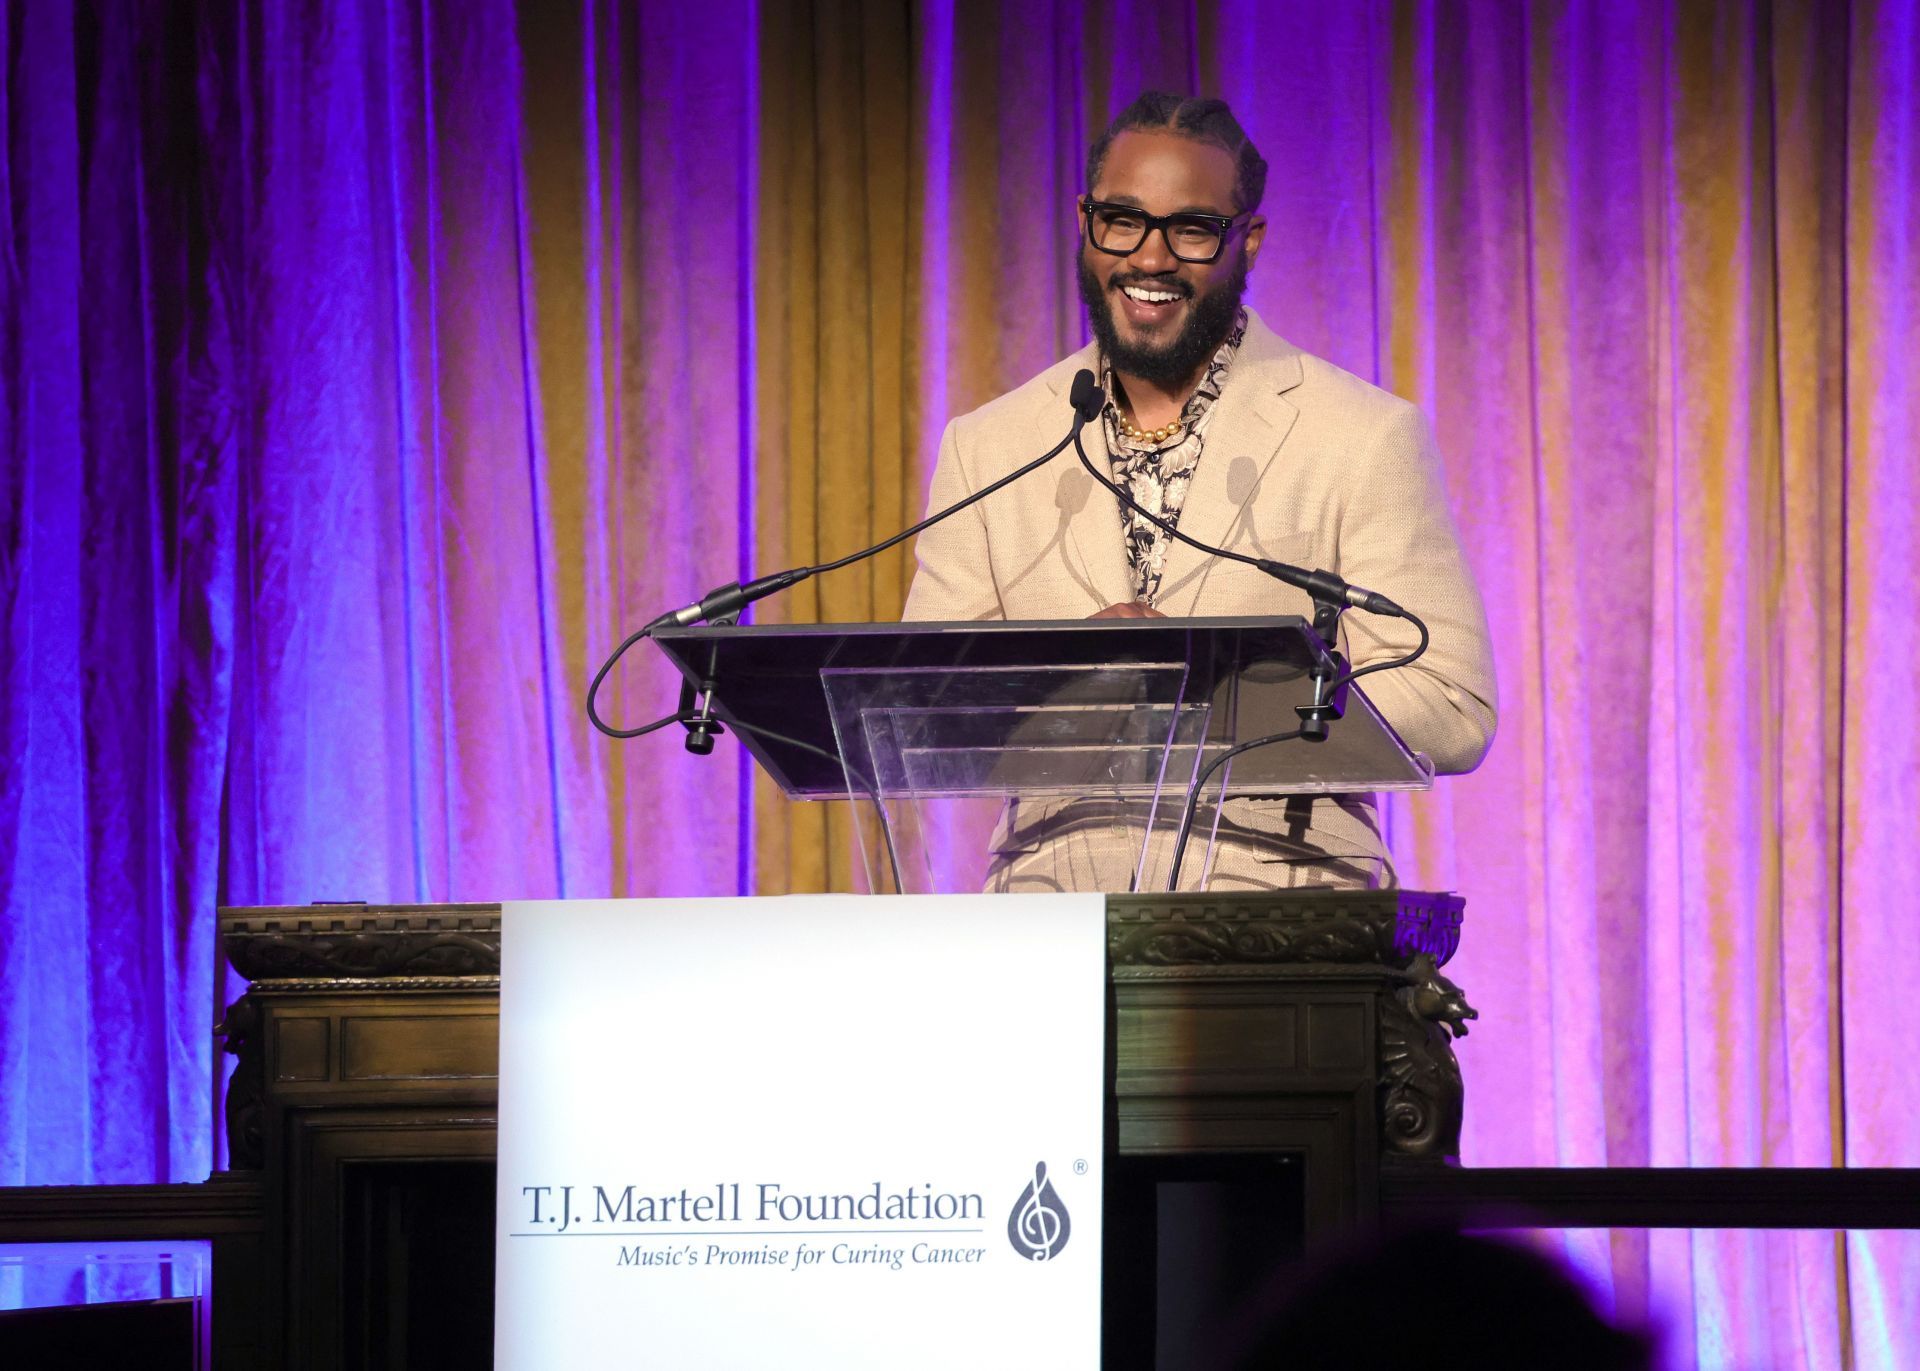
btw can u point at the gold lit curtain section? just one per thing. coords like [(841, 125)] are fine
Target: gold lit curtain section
[(836, 461)]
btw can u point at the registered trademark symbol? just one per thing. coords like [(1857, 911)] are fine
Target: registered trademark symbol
[(1080, 1166)]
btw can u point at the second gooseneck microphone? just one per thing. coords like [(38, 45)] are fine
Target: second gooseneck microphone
[(1321, 585)]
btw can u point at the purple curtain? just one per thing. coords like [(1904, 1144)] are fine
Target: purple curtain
[(120, 406), (341, 432)]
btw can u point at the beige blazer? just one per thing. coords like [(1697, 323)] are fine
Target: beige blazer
[(1302, 463)]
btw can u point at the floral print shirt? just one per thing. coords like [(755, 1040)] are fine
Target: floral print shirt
[(1157, 475)]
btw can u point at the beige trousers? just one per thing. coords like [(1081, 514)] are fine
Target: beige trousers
[(1258, 844)]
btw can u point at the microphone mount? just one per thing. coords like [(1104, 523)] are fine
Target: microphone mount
[(724, 603)]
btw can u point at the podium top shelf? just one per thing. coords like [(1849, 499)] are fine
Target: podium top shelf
[(958, 695)]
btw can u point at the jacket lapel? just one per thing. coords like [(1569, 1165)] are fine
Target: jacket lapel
[(1095, 548), (1249, 423), (1094, 527)]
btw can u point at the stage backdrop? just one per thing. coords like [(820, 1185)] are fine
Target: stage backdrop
[(367, 368)]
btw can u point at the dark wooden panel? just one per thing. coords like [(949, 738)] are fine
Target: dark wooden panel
[(1340, 1038), (322, 1146), (422, 1047), (1189, 1046), (300, 1049), (131, 1213)]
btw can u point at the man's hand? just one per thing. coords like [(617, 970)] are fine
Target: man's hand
[(1129, 609)]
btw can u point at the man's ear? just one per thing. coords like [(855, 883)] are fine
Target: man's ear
[(1256, 234)]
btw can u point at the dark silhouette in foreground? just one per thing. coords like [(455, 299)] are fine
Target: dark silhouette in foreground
[(1428, 1298)]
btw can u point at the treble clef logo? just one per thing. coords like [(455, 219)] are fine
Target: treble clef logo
[(1038, 1226)]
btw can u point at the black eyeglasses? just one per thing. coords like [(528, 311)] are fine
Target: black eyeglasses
[(1121, 229)]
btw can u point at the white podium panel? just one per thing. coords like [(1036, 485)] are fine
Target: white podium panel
[(814, 1131)]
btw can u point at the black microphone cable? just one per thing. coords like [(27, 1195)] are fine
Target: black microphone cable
[(730, 599), (1320, 584), (1200, 782)]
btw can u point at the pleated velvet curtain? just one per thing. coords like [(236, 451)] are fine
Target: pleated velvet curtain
[(368, 368)]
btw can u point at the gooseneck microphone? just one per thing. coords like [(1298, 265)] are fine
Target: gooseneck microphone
[(728, 600), (1321, 585)]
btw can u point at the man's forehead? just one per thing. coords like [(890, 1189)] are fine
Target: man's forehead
[(1167, 172)]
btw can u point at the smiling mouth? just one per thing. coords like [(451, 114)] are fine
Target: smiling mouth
[(1150, 295)]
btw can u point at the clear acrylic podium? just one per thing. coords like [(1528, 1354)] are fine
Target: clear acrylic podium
[(929, 729)]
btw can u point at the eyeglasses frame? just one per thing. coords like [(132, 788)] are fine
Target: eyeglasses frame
[(1161, 222)]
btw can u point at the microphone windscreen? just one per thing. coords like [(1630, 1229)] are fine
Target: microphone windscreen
[(1087, 396)]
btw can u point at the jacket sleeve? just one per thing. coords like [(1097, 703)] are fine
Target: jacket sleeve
[(953, 579), (1398, 537)]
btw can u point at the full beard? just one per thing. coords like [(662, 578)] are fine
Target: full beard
[(1177, 361)]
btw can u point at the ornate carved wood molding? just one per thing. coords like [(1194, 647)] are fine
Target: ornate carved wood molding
[(298, 943), (1381, 927), (239, 1034), (1421, 1095), (355, 941)]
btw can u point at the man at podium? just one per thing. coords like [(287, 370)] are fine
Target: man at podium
[(1240, 440)]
